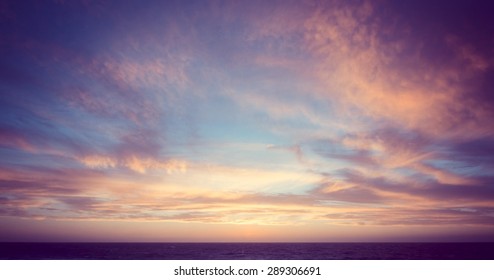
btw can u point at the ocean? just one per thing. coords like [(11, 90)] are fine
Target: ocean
[(247, 251)]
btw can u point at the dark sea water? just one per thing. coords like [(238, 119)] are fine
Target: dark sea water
[(247, 251)]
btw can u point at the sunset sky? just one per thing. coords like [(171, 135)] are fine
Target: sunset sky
[(246, 121)]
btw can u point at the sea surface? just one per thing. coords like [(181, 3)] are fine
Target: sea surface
[(247, 251)]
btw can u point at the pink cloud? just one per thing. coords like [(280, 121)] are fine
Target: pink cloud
[(157, 73), (357, 70), (12, 138), (138, 164), (95, 161), (423, 217), (361, 71)]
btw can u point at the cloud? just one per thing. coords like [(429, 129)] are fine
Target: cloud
[(48, 201), (138, 150), (296, 150), (381, 79), (367, 70), (127, 89), (343, 192), (141, 165), (11, 137), (96, 161), (378, 150), (424, 187), (156, 73), (421, 217), (352, 199), (134, 163)]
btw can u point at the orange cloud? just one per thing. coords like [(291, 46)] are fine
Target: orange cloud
[(96, 161), (156, 73), (142, 165), (135, 163), (362, 72)]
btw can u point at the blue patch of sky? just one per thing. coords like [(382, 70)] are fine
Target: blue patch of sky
[(405, 171), (463, 168), (223, 120), (19, 159)]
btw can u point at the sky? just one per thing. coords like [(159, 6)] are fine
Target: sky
[(246, 121)]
